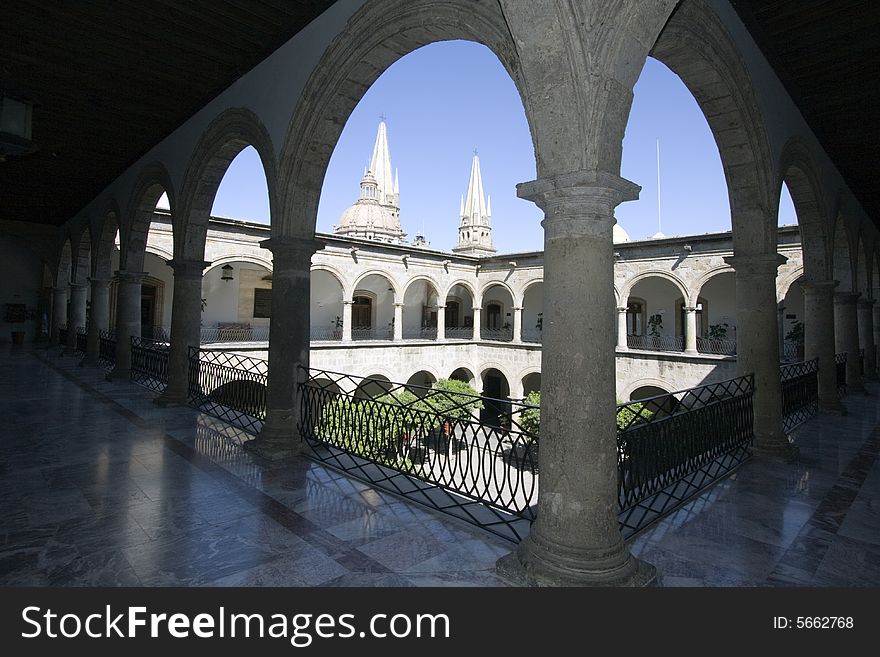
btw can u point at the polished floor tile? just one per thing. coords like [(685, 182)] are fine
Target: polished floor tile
[(100, 487)]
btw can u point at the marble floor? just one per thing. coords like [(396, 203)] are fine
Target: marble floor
[(100, 487)]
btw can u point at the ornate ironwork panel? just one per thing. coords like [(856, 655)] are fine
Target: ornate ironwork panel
[(229, 386), (800, 392), (149, 363)]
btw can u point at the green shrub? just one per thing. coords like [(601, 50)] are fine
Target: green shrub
[(450, 398), (530, 418)]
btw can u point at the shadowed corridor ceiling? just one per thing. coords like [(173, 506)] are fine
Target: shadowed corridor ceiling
[(111, 80)]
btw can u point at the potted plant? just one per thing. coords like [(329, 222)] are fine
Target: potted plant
[(337, 327), (796, 336), (655, 328), (16, 313)]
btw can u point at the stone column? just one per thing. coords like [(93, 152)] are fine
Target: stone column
[(59, 312), (622, 344), (780, 327), (819, 340), (757, 349), (690, 331), (517, 324), (346, 320), (866, 336), (398, 322), (128, 321), (76, 316), (575, 539), (478, 313), (99, 319), (288, 346), (186, 321), (846, 337), (441, 323), (876, 337)]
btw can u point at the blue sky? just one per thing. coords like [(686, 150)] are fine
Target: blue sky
[(445, 100)]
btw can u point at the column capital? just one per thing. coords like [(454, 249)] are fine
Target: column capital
[(291, 252), (622, 309), (866, 303), (818, 287), (399, 304), (58, 290), (756, 264), (846, 297), (348, 302), (477, 309), (126, 276), (98, 281), (78, 286), (188, 268), (517, 308), (579, 203), (690, 309)]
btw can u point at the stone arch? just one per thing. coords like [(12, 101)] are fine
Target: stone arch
[(467, 286), (646, 382), (105, 230), (333, 271), (464, 371), (81, 255), (784, 283), (426, 369), (626, 290), (228, 134), (523, 288), (697, 47), (375, 37), (421, 277), (250, 258), (488, 286), (64, 264), (798, 170), (485, 366), (843, 264), (705, 278), (134, 227), (373, 272), (159, 252)]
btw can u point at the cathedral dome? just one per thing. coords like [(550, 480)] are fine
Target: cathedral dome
[(618, 234), (367, 216)]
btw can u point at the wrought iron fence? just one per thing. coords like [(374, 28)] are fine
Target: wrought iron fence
[(497, 335), (149, 363), (655, 343), (459, 332), (672, 446), (372, 333), (427, 444), (322, 334), (716, 346), (800, 392), (420, 333), (533, 335), (234, 334), (81, 338), (840, 369), (157, 333), (792, 352), (107, 348), (229, 386)]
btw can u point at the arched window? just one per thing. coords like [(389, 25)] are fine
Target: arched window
[(362, 312)]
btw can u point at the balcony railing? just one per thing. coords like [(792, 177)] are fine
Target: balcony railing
[(229, 386), (800, 392), (321, 334), (673, 446), (459, 332), (235, 334), (107, 349), (840, 369), (497, 335), (535, 336), (149, 363), (372, 333), (423, 333), (81, 340), (716, 346), (655, 343)]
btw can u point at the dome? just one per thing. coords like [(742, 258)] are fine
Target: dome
[(369, 219), (618, 234)]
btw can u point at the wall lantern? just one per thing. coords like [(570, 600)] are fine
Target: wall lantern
[(227, 273)]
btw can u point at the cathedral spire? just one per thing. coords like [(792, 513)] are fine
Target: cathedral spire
[(475, 227), (380, 166)]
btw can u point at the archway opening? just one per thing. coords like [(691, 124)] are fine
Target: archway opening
[(792, 348), (496, 390), (459, 313), (420, 311), (236, 302), (497, 322), (326, 306), (533, 313), (531, 383), (652, 315), (373, 386), (372, 316), (423, 379), (464, 375), (719, 317), (245, 172)]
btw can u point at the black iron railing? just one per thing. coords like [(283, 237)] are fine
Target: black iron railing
[(655, 343), (81, 338), (673, 446), (840, 369), (800, 392), (420, 333), (107, 348), (459, 332), (149, 363), (229, 386), (497, 335), (716, 346), (358, 333), (461, 454)]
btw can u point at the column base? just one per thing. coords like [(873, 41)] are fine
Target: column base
[(692, 352), (832, 407), (272, 446), (117, 374), (776, 449), (523, 567)]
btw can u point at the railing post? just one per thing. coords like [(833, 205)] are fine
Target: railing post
[(758, 347), (186, 315), (128, 321), (819, 341), (288, 345), (99, 319), (576, 539), (621, 329)]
